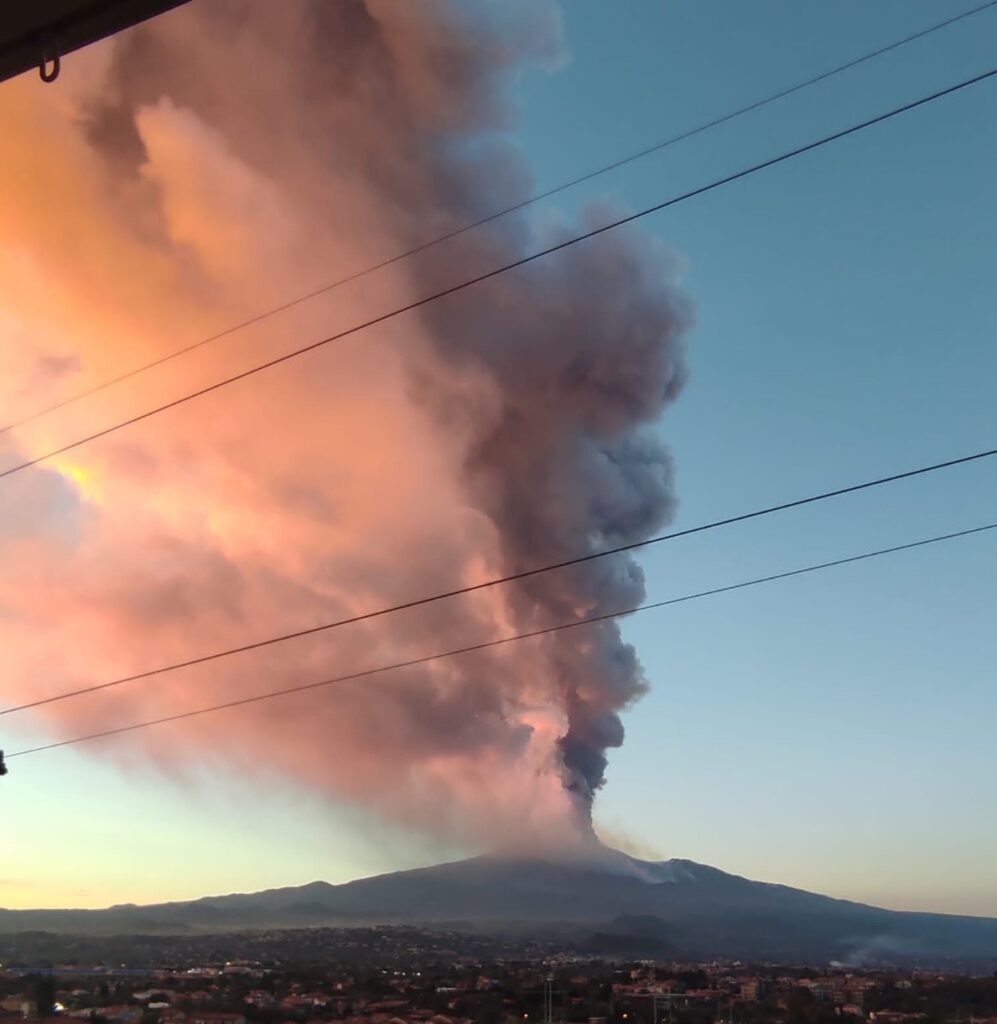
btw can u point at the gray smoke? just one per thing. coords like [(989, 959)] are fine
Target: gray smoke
[(581, 352), (250, 152)]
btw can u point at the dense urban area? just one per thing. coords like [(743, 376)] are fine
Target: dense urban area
[(398, 975)]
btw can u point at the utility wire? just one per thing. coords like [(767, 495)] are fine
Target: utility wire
[(538, 197), (522, 261), (524, 574), (588, 621)]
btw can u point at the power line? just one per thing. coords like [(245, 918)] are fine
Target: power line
[(522, 261), (514, 208), (524, 574), (486, 645)]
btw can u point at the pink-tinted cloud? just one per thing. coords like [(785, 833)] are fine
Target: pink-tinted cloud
[(217, 161)]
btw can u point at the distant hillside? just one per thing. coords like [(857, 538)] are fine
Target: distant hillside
[(677, 906)]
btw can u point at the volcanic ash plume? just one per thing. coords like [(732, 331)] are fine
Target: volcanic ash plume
[(213, 163)]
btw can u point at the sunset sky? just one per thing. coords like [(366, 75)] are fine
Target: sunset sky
[(833, 315)]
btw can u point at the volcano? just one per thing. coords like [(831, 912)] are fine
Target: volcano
[(677, 906)]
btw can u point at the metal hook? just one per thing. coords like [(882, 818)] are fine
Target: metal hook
[(50, 54)]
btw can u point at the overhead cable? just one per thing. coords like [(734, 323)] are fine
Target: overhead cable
[(656, 147), (486, 645), (510, 578), (504, 268)]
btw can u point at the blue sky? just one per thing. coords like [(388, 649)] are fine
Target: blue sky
[(834, 732)]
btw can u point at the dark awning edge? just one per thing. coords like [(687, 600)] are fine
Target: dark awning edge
[(49, 29)]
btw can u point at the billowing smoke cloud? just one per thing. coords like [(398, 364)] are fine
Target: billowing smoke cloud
[(213, 163), (577, 354)]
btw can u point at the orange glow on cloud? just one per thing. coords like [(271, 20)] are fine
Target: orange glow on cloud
[(209, 165)]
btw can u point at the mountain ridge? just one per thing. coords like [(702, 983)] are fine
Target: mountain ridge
[(701, 910)]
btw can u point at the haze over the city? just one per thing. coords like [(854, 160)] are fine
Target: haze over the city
[(820, 323)]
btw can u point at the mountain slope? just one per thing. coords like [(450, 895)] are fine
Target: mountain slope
[(679, 904)]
